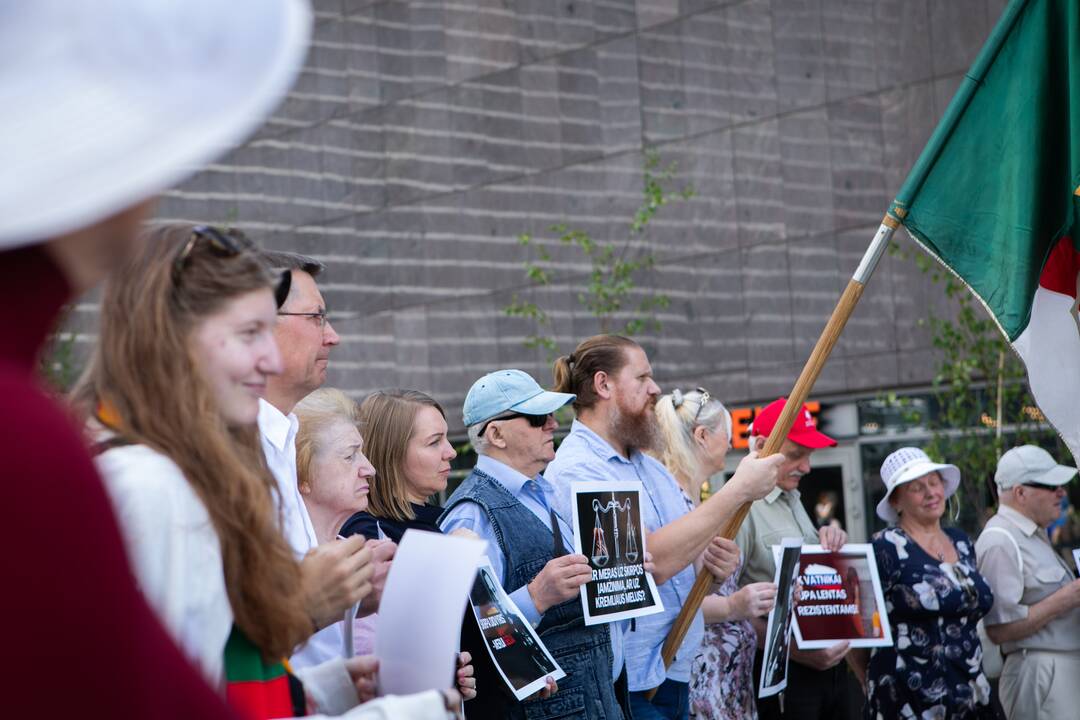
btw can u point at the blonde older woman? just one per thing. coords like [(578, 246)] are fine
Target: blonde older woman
[(696, 429), (333, 473), (934, 596)]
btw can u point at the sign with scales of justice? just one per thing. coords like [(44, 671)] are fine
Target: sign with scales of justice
[(607, 515), (600, 554)]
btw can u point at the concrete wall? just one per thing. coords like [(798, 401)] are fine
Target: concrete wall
[(423, 137)]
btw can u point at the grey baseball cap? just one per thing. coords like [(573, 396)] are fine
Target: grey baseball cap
[(1030, 464)]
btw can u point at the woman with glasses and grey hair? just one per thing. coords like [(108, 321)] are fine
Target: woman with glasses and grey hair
[(696, 432), (934, 596)]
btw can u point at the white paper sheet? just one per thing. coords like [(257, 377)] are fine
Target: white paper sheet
[(421, 611)]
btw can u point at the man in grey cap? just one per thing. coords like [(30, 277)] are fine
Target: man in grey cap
[(506, 501), (1036, 612)]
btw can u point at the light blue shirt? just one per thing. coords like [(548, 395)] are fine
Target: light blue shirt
[(530, 492), (584, 455)]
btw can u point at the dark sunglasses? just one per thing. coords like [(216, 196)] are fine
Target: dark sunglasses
[(1040, 486), (224, 246), (536, 421)]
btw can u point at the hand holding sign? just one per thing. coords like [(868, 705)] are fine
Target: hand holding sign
[(559, 581)]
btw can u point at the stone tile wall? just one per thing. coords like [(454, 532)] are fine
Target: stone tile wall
[(423, 137)]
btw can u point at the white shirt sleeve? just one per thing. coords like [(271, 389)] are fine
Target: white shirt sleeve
[(174, 551)]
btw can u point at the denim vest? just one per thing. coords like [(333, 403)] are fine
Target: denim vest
[(583, 652)]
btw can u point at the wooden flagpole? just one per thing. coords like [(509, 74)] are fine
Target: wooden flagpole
[(810, 372)]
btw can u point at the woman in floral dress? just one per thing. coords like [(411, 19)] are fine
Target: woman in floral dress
[(696, 429), (934, 596)]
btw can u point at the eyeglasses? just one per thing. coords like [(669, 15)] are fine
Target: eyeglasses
[(320, 317), (221, 244), (536, 421)]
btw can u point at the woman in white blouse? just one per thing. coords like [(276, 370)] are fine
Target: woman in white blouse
[(185, 348)]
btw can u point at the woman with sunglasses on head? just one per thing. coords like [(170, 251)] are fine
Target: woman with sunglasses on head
[(934, 596), (172, 399), (696, 432)]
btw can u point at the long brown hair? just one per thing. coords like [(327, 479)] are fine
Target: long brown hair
[(145, 372), (575, 373), (387, 418)]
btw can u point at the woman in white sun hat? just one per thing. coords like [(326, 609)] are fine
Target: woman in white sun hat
[(106, 104), (934, 597)]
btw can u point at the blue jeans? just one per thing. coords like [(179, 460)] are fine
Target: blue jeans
[(671, 702)]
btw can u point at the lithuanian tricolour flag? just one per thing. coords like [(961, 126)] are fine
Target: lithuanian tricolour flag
[(995, 195)]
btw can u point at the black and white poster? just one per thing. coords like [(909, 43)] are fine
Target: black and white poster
[(608, 531), (774, 665), (514, 647)]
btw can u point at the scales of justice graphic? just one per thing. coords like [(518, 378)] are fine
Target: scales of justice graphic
[(600, 554)]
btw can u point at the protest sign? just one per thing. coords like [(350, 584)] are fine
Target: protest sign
[(778, 632), (840, 599), (609, 532), (419, 632), (516, 650)]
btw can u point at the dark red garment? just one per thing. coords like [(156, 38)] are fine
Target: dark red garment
[(79, 639)]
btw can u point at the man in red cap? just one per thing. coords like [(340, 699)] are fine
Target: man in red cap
[(817, 679)]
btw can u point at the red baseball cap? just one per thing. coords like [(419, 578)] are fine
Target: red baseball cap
[(803, 431)]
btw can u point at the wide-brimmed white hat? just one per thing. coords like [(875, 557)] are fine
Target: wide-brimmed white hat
[(905, 465), (108, 102)]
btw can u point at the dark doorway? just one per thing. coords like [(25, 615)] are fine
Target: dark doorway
[(822, 494)]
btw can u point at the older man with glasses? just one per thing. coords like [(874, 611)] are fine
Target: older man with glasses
[(1036, 612), (506, 501)]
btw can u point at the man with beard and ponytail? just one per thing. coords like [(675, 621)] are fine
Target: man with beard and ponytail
[(817, 679), (616, 423)]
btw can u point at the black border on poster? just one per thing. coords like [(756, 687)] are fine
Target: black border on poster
[(608, 487)]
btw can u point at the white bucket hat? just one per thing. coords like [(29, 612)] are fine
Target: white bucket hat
[(108, 102), (905, 465)]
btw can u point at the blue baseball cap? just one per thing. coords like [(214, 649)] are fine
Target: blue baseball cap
[(506, 391)]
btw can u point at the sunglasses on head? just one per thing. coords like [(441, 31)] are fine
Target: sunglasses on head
[(536, 421), (678, 398), (224, 246)]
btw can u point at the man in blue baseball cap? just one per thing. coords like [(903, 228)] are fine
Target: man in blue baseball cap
[(505, 500)]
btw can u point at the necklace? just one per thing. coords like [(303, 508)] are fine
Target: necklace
[(931, 543)]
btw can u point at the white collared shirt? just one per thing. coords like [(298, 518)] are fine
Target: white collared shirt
[(1018, 588), (277, 432)]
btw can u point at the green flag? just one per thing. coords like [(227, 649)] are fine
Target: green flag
[(994, 194)]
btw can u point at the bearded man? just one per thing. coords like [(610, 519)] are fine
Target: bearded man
[(616, 423)]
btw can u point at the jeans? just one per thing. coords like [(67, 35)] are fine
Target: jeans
[(671, 702)]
